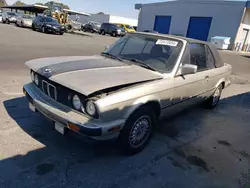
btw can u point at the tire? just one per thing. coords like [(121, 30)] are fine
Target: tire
[(114, 34), (92, 31), (21, 24), (69, 28), (134, 137), (7, 21), (43, 30), (103, 32), (213, 101), (33, 27), (61, 33)]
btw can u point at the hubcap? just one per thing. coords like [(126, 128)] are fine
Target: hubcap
[(216, 96), (140, 131)]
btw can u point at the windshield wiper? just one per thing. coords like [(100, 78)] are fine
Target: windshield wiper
[(139, 62), (106, 54)]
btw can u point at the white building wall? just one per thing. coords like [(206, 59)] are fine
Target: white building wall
[(244, 25), (93, 17), (106, 18), (226, 16), (118, 19)]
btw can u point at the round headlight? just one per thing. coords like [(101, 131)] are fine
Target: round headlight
[(90, 108), (76, 102), (32, 75), (36, 79)]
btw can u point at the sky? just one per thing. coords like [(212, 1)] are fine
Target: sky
[(114, 7)]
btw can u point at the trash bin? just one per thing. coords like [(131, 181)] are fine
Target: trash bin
[(221, 42)]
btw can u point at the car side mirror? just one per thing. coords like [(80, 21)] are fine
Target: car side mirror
[(106, 47), (188, 69)]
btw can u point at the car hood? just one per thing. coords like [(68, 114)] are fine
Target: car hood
[(90, 74)]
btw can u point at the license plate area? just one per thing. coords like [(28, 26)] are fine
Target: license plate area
[(60, 128)]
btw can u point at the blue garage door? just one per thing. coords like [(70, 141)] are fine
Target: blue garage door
[(199, 27), (162, 24)]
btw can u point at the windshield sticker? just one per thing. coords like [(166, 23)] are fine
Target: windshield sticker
[(166, 42)]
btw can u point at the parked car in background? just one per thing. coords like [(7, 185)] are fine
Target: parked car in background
[(93, 27), (1, 17), (24, 20), (122, 93), (47, 25), (112, 29), (9, 17), (76, 25), (126, 27)]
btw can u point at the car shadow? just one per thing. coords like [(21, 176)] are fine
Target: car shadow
[(81, 150)]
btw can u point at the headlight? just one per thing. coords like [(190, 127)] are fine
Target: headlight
[(91, 108), (32, 75), (36, 80), (76, 102), (48, 25)]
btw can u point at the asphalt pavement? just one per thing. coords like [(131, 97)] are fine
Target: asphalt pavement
[(198, 148)]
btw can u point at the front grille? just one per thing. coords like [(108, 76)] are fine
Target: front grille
[(49, 89), (57, 92)]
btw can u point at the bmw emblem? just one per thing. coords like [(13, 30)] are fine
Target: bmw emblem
[(47, 70)]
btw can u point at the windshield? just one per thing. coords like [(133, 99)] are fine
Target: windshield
[(160, 54), (27, 16), (129, 27), (49, 19)]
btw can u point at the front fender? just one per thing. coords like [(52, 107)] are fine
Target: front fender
[(138, 103)]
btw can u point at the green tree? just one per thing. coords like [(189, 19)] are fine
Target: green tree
[(2, 3), (19, 3)]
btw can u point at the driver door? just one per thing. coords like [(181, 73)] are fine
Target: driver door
[(189, 89)]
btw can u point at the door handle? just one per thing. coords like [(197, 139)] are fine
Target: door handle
[(206, 77)]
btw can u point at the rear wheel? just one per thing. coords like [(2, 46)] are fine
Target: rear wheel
[(103, 32), (215, 98), (21, 24), (7, 21), (61, 33), (137, 131)]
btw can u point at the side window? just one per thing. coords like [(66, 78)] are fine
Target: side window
[(210, 59), (198, 55)]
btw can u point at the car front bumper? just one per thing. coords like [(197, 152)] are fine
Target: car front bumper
[(27, 24), (54, 30), (65, 116)]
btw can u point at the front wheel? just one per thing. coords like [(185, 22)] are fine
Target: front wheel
[(137, 131), (114, 34), (103, 32), (212, 101), (7, 21), (43, 30)]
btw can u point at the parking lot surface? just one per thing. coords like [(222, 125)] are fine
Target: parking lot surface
[(198, 148)]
